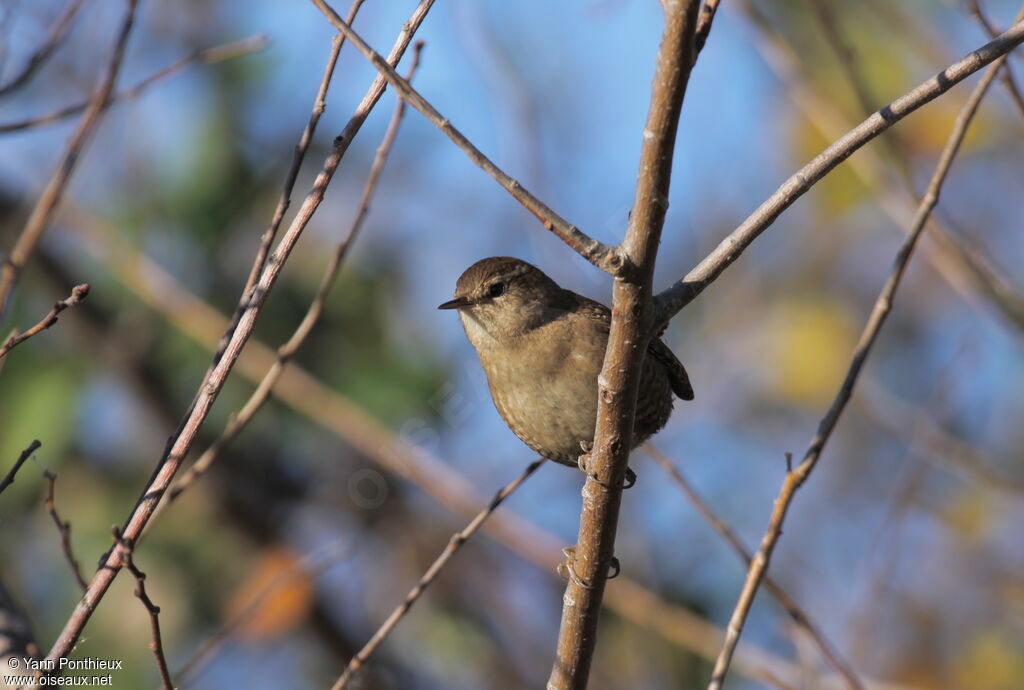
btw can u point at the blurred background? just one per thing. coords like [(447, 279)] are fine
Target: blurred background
[(905, 547)]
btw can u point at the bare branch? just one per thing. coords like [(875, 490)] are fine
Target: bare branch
[(206, 56), (796, 477), (287, 351), (180, 443), (63, 527), (25, 455), (704, 22), (156, 644), (285, 200), (51, 196), (670, 301), (1007, 74), (77, 295), (46, 50), (800, 618), (601, 255), (620, 375), (454, 544)]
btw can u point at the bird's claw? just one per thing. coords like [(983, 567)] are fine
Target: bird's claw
[(566, 570)]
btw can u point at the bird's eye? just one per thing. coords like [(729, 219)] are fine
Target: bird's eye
[(496, 290)]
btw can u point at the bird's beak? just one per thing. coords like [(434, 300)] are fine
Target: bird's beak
[(457, 303)]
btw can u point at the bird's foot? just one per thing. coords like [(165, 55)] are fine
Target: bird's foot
[(567, 570), (584, 464)]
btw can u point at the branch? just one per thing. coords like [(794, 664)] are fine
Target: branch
[(46, 50), (284, 353), (180, 443), (285, 200), (704, 22), (339, 415), (800, 618), (51, 196), (601, 255), (627, 342), (796, 477), (77, 295), (156, 644), (1008, 78), (454, 544), (25, 455), (669, 302), (63, 527), (207, 56)]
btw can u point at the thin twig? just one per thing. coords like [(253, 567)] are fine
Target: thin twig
[(284, 353), (206, 56), (454, 544), (156, 644), (1008, 79), (25, 455), (180, 443), (796, 477), (46, 50), (284, 201), (673, 299), (601, 255), (77, 295), (619, 379), (704, 22), (800, 618), (64, 527), (51, 196)]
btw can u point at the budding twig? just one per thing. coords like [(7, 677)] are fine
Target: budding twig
[(64, 527), (77, 295)]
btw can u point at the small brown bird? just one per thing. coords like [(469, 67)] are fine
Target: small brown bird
[(542, 347)]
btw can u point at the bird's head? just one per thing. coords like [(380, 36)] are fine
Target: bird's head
[(502, 297)]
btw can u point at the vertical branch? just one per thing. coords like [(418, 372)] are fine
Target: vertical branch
[(156, 644), (630, 331), (63, 527), (796, 477), (54, 191)]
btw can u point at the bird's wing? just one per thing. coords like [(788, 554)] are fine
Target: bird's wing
[(656, 347)]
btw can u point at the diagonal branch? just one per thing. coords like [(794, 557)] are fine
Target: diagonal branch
[(1008, 78), (25, 455), (796, 477), (800, 618), (627, 341), (54, 191), (180, 443), (309, 321), (206, 56), (454, 544), (670, 301), (77, 295), (46, 50), (601, 255)]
